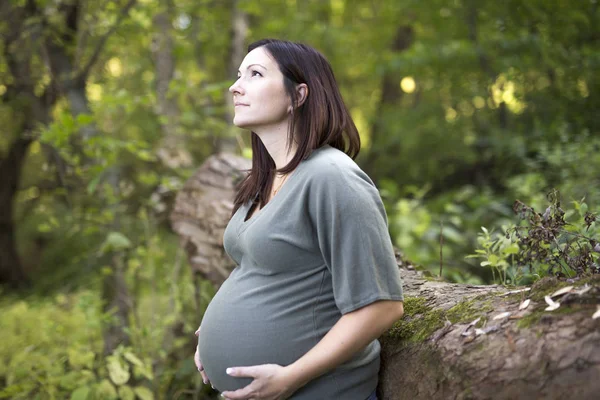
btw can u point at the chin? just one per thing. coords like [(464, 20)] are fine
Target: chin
[(242, 124)]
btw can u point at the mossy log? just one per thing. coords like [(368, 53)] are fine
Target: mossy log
[(438, 351), (448, 345)]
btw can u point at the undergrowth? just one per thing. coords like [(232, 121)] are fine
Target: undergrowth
[(557, 242)]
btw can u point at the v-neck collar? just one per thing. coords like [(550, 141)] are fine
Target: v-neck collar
[(244, 224), (281, 193)]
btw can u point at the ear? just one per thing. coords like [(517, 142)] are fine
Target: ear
[(301, 94)]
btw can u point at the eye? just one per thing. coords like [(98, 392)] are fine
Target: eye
[(255, 72)]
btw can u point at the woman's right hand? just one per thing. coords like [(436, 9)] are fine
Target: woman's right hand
[(199, 363)]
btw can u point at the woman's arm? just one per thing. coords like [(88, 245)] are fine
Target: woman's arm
[(350, 334)]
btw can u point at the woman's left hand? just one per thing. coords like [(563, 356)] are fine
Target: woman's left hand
[(271, 382)]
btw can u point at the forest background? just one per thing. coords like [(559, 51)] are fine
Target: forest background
[(108, 107)]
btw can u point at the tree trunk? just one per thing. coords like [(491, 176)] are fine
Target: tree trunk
[(117, 301), (11, 269), (237, 51), (390, 98), (19, 95), (171, 151), (437, 350), (201, 211)]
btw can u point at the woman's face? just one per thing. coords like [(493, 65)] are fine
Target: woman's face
[(259, 94)]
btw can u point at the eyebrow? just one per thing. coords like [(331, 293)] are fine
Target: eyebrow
[(248, 67)]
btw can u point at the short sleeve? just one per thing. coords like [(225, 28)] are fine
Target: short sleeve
[(352, 232)]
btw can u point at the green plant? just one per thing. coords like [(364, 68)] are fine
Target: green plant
[(555, 242), (498, 252), (564, 243)]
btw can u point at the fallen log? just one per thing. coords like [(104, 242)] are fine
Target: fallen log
[(455, 341), (480, 342)]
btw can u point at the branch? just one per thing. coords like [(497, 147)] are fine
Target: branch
[(96, 54)]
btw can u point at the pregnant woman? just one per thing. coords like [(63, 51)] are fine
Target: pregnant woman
[(316, 281)]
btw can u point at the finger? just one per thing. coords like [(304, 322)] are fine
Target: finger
[(204, 378), (244, 393), (197, 360), (243, 371)]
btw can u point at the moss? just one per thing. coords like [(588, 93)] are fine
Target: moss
[(415, 305), (545, 287), (533, 318), (548, 285), (421, 321), (468, 310)]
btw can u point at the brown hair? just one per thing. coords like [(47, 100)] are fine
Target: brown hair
[(322, 119)]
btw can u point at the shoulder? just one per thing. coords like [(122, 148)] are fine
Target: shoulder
[(332, 167), (333, 179), (336, 186)]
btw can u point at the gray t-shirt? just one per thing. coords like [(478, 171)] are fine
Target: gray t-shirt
[(319, 249)]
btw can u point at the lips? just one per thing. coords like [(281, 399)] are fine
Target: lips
[(240, 104)]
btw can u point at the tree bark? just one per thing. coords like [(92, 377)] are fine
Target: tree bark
[(390, 97), (117, 301), (20, 93), (531, 354), (171, 150), (201, 212), (11, 269), (434, 351), (239, 33)]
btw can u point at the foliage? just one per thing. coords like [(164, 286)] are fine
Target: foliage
[(420, 227), (52, 348), (492, 102), (564, 243), (498, 253), (555, 243)]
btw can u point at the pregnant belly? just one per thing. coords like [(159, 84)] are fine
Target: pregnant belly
[(235, 334)]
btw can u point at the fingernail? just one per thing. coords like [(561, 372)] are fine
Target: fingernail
[(229, 371), (204, 380)]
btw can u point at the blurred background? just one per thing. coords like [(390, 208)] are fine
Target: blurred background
[(108, 107)]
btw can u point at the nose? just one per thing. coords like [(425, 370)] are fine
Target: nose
[(236, 87)]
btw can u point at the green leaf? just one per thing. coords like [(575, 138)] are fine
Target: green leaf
[(493, 259), (91, 187), (126, 393), (115, 241), (80, 358), (106, 391), (512, 249), (84, 119), (132, 358), (144, 370), (80, 393), (144, 393), (118, 372)]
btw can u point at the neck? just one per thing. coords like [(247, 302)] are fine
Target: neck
[(275, 141)]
